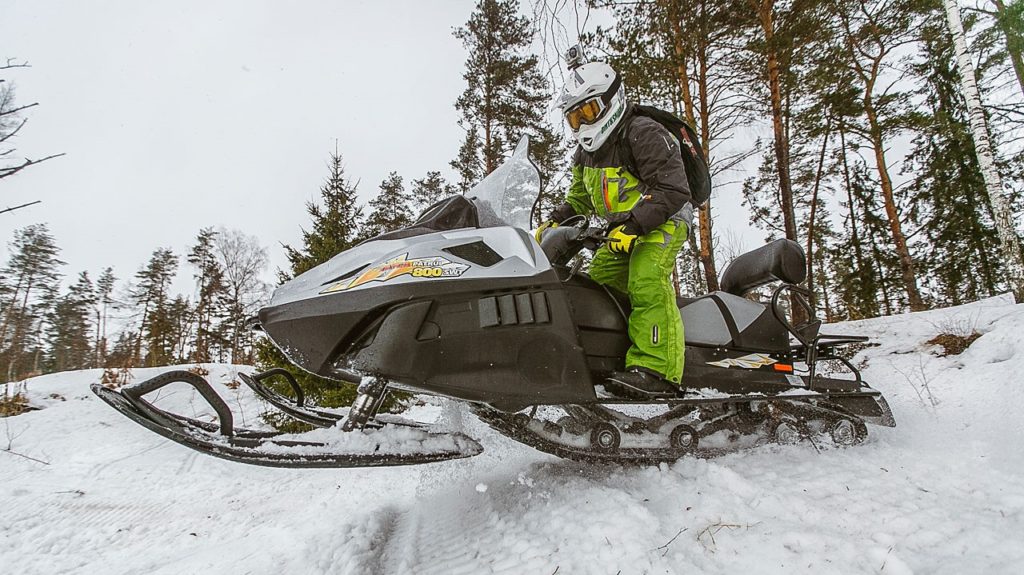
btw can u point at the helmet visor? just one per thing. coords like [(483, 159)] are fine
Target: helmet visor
[(586, 112)]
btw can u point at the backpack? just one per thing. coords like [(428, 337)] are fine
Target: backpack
[(697, 174)]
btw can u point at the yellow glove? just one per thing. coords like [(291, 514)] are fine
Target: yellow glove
[(550, 224), (621, 241)]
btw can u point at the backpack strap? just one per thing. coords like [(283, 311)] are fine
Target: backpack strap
[(622, 143)]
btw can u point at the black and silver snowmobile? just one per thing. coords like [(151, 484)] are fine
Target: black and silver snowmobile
[(465, 304)]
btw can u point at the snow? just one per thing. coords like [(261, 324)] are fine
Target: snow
[(943, 492), (390, 440)]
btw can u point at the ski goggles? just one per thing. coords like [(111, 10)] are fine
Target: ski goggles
[(586, 112), (591, 110)]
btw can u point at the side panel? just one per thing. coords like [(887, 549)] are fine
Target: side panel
[(509, 348), (476, 314), (601, 321)]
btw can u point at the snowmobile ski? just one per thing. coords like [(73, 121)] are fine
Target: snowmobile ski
[(371, 447), (295, 408)]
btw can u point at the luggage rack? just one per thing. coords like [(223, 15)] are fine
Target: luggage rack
[(814, 345)]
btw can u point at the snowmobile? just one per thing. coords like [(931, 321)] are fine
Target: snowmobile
[(465, 304)]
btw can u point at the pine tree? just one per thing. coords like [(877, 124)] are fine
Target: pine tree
[(430, 190), (389, 210), (782, 43), (153, 305), (864, 265), (782, 40), (210, 290), (505, 96), (104, 300), (180, 319), (335, 223), (819, 164), (30, 279), (69, 330), (335, 229), (872, 33), (468, 164), (1009, 23), (122, 353)]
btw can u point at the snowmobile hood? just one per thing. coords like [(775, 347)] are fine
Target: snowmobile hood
[(437, 257), (317, 316)]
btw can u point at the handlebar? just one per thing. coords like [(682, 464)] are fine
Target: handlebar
[(562, 243)]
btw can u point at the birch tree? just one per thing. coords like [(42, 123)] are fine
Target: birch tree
[(1008, 240)]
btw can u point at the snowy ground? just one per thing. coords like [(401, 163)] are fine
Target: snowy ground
[(943, 492)]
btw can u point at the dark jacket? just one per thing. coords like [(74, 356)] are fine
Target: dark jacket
[(602, 185)]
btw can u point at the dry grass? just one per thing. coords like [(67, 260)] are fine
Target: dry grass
[(114, 378), (14, 405), (199, 370), (953, 343), (955, 334)]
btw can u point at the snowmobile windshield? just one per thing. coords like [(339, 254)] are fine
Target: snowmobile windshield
[(506, 195), (504, 198)]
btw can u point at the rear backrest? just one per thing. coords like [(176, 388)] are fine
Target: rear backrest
[(782, 260)]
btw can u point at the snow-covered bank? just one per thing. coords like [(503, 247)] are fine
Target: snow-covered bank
[(943, 492)]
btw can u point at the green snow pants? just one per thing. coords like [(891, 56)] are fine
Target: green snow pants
[(655, 326)]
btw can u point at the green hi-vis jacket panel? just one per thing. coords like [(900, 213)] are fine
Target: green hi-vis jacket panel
[(602, 185), (605, 191)]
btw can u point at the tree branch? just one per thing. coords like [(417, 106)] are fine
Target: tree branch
[(5, 172), (21, 206), (9, 65), (16, 110)]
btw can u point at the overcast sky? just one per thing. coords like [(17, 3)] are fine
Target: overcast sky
[(180, 115)]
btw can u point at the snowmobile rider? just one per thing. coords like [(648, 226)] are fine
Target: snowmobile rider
[(648, 213)]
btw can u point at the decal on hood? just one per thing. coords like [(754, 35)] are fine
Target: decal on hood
[(426, 268)]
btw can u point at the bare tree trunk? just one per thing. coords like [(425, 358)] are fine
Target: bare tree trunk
[(858, 251), (682, 74), (16, 336), (705, 250), (1008, 240), (137, 360), (765, 10), (813, 215), (895, 226)]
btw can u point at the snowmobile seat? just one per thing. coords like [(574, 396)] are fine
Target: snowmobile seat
[(682, 301), (721, 319), (727, 319), (782, 260)]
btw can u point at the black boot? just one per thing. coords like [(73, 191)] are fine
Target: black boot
[(639, 383)]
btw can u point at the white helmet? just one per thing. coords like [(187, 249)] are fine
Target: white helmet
[(593, 103)]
